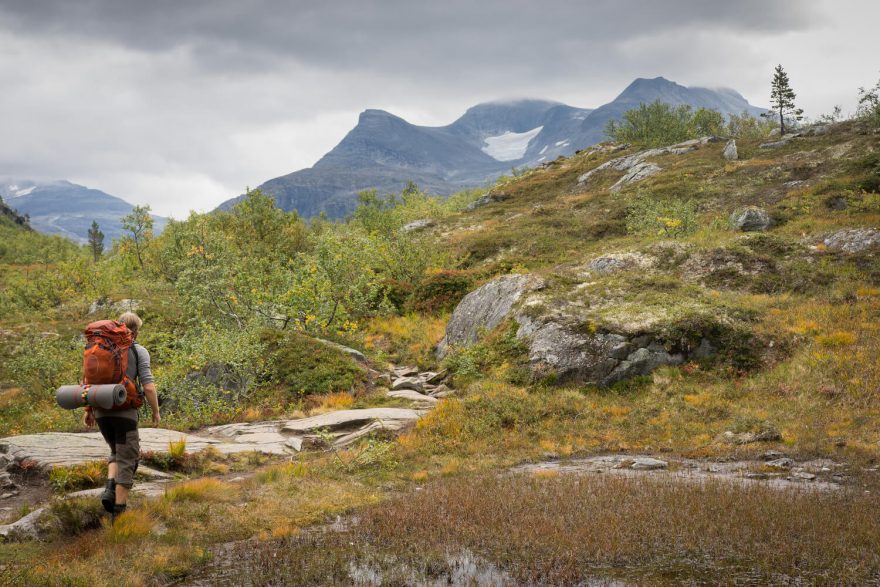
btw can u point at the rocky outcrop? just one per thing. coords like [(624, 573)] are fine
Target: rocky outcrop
[(417, 225), (483, 309), (710, 266), (614, 262), (489, 198), (816, 130), (26, 528), (636, 173), (777, 144), (730, 153), (636, 166), (853, 240), (750, 219), (602, 358)]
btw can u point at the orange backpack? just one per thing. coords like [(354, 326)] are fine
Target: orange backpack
[(105, 359)]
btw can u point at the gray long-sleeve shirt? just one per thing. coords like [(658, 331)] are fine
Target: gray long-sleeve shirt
[(138, 369)]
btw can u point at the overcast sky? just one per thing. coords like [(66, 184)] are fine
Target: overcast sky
[(183, 104)]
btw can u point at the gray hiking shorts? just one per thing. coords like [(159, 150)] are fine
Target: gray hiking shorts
[(125, 447)]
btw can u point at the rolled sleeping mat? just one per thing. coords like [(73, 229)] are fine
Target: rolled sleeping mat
[(106, 396)]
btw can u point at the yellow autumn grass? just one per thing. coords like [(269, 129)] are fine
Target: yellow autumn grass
[(131, 526), (198, 490)]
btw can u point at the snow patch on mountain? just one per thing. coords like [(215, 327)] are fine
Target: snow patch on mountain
[(509, 146), (13, 191)]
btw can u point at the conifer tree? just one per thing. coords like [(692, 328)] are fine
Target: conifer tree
[(782, 99), (96, 240)]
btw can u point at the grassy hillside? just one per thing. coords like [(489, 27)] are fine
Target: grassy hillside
[(806, 365)]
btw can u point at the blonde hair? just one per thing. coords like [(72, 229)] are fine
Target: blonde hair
[(132, 321)]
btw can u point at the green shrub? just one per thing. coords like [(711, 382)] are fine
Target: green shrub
[(83, 476), (441, 291), (69, 517), (497, 348), (869, 104), (306, 366), (666, 218), (39, 364)]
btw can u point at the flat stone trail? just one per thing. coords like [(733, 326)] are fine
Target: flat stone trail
[(278, 437)]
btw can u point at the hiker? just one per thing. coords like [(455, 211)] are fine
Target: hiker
[(119, 427)]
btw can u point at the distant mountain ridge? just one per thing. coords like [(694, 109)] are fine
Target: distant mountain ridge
[(384, 151), (68, 209)]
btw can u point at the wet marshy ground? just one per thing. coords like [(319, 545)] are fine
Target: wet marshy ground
[(541, 526)]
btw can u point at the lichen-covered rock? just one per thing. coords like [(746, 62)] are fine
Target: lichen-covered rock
[(817, 130), (483, 309), (642, 362), (557, 351), (413, 383), (775, 144), (613, 262), (750, 219), (648, 464), (598, 358), (26, 528), (730, 153), (637, 172), (637, 168), (485, 201), (853, 240)]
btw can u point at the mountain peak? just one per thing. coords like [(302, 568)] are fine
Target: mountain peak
[(374, 114), (642, 85)]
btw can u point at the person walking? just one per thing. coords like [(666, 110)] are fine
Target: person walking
[(119, 427)]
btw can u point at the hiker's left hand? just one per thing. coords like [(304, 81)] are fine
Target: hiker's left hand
[(88, 419)]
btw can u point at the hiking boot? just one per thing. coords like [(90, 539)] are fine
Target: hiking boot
[(108, 497), (118, 510)]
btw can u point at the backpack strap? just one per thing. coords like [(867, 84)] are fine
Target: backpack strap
[(137, 376), (137, 362)]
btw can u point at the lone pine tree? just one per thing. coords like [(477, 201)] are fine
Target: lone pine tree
[(96, 240), (782, 99)]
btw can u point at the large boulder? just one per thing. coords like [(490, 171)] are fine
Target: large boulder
[(750, 219), (600, 358), (730, 153), (483, 309)]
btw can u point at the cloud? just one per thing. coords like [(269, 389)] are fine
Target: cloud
[(184, 104)]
